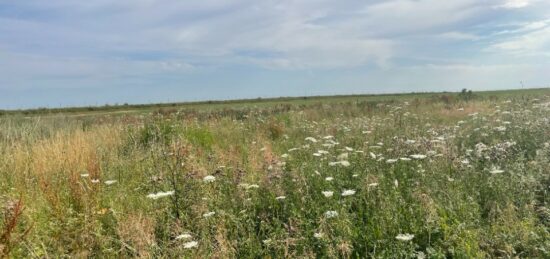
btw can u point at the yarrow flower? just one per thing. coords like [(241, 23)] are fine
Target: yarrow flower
[(372, 155), (249, 186), (496, 170), (110, 182), (311, 139), (331, 214), (404, 237), (418, 156), (209, 214), (328, 194), (348, 192), (209, 178), (184, 236), (190, 245), (343, 156), (343, 163), (157, 195)]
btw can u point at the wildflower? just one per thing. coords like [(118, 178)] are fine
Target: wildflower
[(418, 156), (183, 236), (496, 170), (391, 161), (109, 182), (209, 214), (331, 214), (396, 183), (311, 139), (157, 195), (190, 245), (500, 129), (348, 192), (343, 156), (280, 198), (409, 141), (404, 237), (209, 179), (431, 153), (372, 155), (95, 180), (344, 163), (249, 186), (329, 179), (328, 194)]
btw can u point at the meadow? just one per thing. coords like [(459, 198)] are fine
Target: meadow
[(400, 176)]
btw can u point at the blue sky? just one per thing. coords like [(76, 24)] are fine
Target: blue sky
[(72, 53)]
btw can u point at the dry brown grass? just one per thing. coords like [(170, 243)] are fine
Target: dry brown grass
[(136, 232)]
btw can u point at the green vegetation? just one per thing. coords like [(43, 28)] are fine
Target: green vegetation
[(461, 175)]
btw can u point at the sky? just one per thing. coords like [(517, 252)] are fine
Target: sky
[(59, 53)]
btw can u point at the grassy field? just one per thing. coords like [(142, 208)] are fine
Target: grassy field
[(395, 176)]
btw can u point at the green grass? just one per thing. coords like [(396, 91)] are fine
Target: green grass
[(258, 103), (480, 191)]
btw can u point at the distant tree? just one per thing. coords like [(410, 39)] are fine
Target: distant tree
[(466, 95)]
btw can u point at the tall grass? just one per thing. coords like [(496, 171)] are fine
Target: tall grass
[(430, 178)]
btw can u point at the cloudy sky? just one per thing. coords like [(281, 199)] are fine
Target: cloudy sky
[(65, 52)]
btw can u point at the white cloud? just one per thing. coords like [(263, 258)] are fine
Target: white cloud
[(353, 42), (455, 35), (515, 4), (532, 43), (284, 34)]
